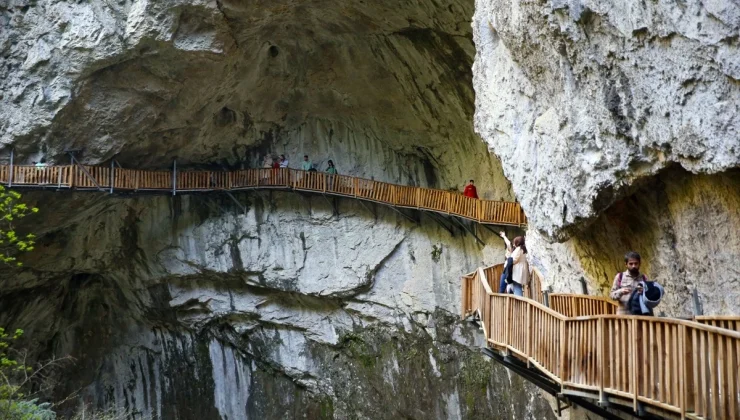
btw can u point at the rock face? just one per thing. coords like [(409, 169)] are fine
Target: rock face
[(580, 99), (684, 227), (617, 124), (382, 89), (190, 307), (284, 311)]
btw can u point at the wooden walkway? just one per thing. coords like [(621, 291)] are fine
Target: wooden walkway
[(115, 178), (672, 368)]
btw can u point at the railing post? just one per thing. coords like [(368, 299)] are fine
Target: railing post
[(563, 341), (633, 360), (174, 176), (418, 197), (59, 176), (507, 318), (10, 175), (528, 344), (448, 202), (72, 169), (682, 371), (600, 359), (112, 176)]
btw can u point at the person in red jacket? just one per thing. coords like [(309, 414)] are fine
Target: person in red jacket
[(470, 190)]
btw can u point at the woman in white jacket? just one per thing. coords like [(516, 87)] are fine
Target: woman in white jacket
[(520, 269)]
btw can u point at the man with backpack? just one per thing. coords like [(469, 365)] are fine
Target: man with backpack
[(636, 294)]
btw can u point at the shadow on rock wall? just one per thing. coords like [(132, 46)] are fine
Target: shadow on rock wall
[(685, 227)]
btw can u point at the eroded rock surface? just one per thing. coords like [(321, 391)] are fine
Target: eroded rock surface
[(580, 99), (383, 89), (683, 225), (168, 300), (191, 307)]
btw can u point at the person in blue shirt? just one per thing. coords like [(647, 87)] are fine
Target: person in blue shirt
[(306, 165)]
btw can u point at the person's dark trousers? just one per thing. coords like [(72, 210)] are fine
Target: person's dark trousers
[(506, 275)]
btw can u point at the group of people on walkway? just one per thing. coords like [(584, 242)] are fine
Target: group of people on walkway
[(633, 291), (277, 162)]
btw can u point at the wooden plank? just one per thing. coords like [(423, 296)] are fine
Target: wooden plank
[(722, 408), (563, 338), (611, 357), (713, 388), (668, 385), (633, 360), (601, 343), (695, 348), (703, 366), (675, 357), (683, 379), (732, 367)]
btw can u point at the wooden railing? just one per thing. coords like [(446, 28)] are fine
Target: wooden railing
[(493, 275), (572, 305), (726, 322), (116, 178), (674, 367)]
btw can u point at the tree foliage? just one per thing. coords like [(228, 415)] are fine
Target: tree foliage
[(15, 374), (11, 243)]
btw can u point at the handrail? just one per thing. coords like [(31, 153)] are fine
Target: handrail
[(726, 322), (573, 305), (492, 274), (428, 199), (682, 368)]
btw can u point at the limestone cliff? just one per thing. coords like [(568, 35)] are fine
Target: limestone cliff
[(192, 307), (580, 99), (617, 124)]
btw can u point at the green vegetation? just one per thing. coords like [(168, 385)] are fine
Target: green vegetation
[(11, 210), (16, 375)]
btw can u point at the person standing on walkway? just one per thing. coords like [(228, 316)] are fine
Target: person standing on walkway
[(306, 165), (507, 257), (283, 161), (470, 190), (331, 171), (520, 267), (635, 294)]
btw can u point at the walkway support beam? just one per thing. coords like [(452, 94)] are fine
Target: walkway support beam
[(77, 163)]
